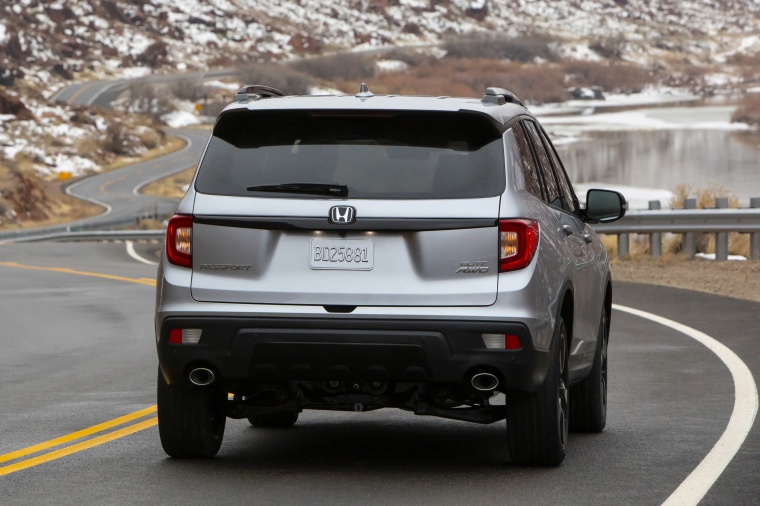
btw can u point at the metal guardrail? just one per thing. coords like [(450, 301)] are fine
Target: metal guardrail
[(98, 235), (58, 232), (654, 223), (688, 222)]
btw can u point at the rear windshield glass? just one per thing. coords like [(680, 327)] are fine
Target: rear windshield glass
[(377, 154)]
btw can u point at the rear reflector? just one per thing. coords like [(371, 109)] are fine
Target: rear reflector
[(185, 336), (518, 242), (511, 342), (175, 336), (179, 240)]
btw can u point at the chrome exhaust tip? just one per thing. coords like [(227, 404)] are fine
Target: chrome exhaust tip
[(202, 376), (484, 381)]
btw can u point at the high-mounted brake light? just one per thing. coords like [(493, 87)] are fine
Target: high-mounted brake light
[(518, 242), (179, 240)]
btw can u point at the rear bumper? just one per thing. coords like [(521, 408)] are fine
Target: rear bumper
[(263, 350)]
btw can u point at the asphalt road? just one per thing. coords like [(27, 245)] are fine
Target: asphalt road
[(119, 191), (78, 350), (102, 93)]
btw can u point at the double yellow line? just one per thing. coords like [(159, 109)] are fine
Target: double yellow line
[(19, 455), (77, 447)]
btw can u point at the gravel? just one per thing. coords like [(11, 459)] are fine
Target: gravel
[(738, 279)]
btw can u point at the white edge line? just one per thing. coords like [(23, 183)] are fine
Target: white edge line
[(88, 199), (188, 145), (702, 478), (131, 252), (102, 90)]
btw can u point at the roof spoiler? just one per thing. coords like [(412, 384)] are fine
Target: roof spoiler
[(256, 92), (500, 96)]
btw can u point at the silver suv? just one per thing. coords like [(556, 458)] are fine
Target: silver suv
[(360, 252)]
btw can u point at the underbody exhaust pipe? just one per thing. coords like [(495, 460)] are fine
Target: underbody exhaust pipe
[(201, 376), (484, 381)]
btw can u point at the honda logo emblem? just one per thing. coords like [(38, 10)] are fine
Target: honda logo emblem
[(342, 215)]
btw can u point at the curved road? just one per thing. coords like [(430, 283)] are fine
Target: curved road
[(117, 192), (90, 359), (102, 93)]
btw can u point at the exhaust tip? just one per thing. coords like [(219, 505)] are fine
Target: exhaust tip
[(202, 376), (484, 381)]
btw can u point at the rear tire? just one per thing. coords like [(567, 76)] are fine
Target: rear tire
[(537, 424), (588, 399), (191, 420), (281, 420)]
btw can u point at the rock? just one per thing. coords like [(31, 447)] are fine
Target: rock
[(11, 104), (7, 77)]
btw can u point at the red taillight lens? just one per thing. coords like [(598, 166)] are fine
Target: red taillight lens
[(511, 342), (518, 242), (179, 240), (175, 336)]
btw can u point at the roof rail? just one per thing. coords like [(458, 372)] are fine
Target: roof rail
[(500, 96), (256, 92)]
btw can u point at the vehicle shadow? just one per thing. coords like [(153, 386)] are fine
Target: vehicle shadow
[(369, 445)]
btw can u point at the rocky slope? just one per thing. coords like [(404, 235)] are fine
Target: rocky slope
[(108, 36)]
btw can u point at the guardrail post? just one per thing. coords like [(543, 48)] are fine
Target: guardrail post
[(655, 240), (754, 237), (623, 246), (690, 238), (721, 238)]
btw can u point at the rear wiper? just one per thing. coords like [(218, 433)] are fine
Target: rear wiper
[(334, 190)]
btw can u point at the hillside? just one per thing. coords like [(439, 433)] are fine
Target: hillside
[(537, 48), (102, 37)]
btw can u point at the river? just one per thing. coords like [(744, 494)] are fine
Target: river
[(703, 151)]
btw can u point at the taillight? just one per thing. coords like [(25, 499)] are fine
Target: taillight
[(518, 242), (179, 240)]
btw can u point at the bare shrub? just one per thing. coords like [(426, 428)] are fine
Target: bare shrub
[(276, 75), (615, 77), (525, 48), (187, 89), (749, 111), (121, 141), (471, 77), (145, 98), (412, 57), (347, 66), (738, 244), (213, 108), (610, 48)]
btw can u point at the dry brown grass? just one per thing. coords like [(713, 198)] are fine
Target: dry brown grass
[(611, 77), (35, 202), (749, 111), (38, 202), (170, 187), (470, 78), (170, 145), (730, 279), (738, 244)]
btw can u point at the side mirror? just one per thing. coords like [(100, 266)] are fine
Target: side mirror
[(604, 206)]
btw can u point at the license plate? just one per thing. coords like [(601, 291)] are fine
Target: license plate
[(344, 254)]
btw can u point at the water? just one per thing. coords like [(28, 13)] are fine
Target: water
[(666, 158)]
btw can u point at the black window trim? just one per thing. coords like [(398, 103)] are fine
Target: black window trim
[(526, 137), (558, 171), (520, 120)]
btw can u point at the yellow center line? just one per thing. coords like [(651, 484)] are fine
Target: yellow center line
[(79, 92), (77, 435), (89, 443), (66, 270), (57, 454), (109, 183)]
